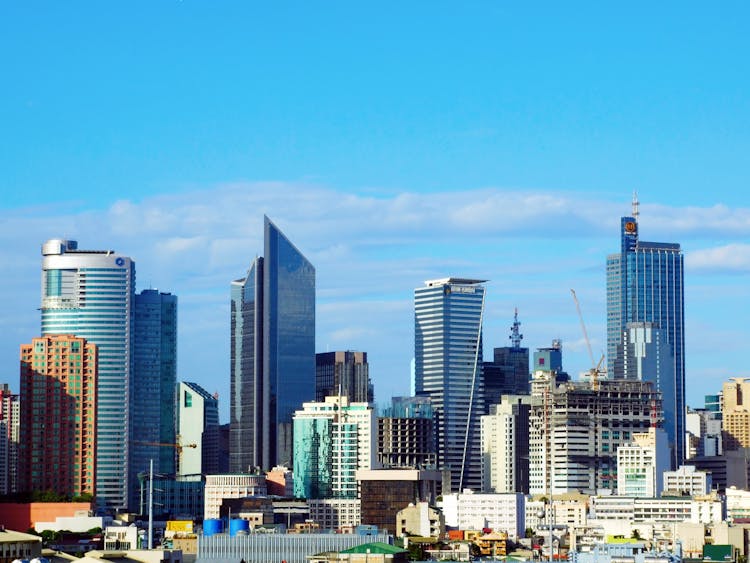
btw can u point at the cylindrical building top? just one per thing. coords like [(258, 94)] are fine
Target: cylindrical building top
[(58, 246)]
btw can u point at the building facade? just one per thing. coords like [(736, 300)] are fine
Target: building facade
[(58, 446), (233, 485), (505, 446), (735, 417), (474, 511), (687, 481), (198, 424), (272, 353), (338, 439), (576, 428), (448, 369), (642, 463), (90, 293), (10, 417), (645, 284), (153, 386)]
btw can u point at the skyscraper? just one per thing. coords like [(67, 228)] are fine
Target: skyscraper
[(272, 353), (58, 415), (448, 369), (153, 386), (505, 446), (90, 293), (10, 416), (645, 285), (346, 373)]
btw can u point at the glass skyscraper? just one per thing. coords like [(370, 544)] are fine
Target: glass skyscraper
[(272, 353), (645, 285), (153, 386), (448, 369), (90, 294)]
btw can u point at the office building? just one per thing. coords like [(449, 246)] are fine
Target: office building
[(448, 369), (58, 415), (736, 413), (406, 437), (272, 353), (642, 463), (383, 492), (505, 446), (90, 293), (10, 416), (686, 480), (645, 285), (704, 436), (338, 438), (508, 372), (343, 373), (472, 511), (198, 427), (576, 428), (220, 487), (153, 386)]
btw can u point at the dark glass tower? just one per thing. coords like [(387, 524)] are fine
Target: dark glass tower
[(153, 418), (343, 373), (645, 285), (272, 353)]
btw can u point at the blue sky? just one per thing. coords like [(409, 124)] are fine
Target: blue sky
[(392, 144)]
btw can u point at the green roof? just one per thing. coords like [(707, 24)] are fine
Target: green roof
[(374, 547), (718, 552)]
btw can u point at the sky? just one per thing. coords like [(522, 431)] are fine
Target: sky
[(393, 143)]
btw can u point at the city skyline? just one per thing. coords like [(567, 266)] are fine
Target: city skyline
[(496, 142)]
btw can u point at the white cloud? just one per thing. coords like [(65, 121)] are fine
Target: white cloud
[(727, 258)]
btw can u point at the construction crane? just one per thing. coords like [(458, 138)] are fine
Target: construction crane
[(595, 369)]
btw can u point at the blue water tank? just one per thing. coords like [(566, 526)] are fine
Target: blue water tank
[(238, 526), (211, 526)]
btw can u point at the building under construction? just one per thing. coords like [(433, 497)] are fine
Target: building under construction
[(576, 428)]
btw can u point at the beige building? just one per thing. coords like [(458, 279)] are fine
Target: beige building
[(420, 520), (228, 486), (736, 413)]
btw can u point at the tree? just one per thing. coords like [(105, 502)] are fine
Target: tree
[(636, 535)]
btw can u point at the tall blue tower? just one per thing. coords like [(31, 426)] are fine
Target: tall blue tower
[(645, 284), (272, 353)]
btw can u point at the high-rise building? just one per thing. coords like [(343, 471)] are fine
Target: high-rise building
[(704, 436), (272, 353), (508, 373), (641, 464), (576, 428), (90, 293), (153, 386), (338, 438), (406, 436), (645, 285), (10, 416), (736, 414), (198, 424), (343, 373), (505, 446), (58, 415), (448, 369)]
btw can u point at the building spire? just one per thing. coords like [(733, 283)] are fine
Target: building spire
[(635, 205)]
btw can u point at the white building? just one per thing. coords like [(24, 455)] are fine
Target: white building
[(503, 512), (686, 480), (641, 463), (198, 428), (500, 450), (738, 503), (91, 294), (334, 513), (570, 513), (233, 485), (702, 510), (81, 521)]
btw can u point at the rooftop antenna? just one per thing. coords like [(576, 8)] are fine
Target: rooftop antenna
[(635, 205), (515, 334)]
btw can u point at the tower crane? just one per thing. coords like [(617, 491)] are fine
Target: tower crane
[(595, 371)]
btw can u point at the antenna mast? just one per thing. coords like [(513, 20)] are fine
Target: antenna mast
[(515, 333), (635, 205)]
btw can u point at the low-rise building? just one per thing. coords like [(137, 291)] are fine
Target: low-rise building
[(227, 486), (504, 512), (420, 519), (687, 481), (335, 513), (704, 510), (17, 545)]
